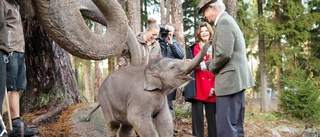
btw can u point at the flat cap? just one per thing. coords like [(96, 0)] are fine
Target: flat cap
[(203, 4)]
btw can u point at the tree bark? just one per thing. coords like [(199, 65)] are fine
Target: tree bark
[(232, 8), (50, 77), (168, 11), (262, 65), (98, 67), (88, 93), (177, 20), (162, 12), (278, 68), (134, 15)]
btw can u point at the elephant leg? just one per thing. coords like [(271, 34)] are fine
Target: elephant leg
[(143, 125), (112, 128), (163, 123), (112, 124), (125, 130)]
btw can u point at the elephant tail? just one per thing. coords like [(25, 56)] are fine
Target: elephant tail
[(88, 118)]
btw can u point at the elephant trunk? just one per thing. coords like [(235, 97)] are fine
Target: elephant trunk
[(191, 65)]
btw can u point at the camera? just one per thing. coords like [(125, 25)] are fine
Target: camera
[(164, 32)]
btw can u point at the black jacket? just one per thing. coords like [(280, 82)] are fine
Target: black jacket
[(171, 51)]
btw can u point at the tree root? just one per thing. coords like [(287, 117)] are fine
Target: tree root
[(57, 110)]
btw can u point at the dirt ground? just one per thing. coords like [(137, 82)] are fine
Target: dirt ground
[(255, 124)]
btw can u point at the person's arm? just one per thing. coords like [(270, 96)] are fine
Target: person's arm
[(3, 30), (124, 59), (2, 17), (177, 50)]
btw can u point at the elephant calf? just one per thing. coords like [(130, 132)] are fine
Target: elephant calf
[(134, 97)]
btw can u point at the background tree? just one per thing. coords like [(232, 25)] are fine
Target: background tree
[(99, 77), (134, 15), (50, 77), (262, 67)]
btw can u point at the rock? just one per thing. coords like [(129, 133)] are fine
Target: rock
[(309, 133), (274, 132), (96, 127), (283, 129)]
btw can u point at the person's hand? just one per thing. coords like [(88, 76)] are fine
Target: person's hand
[(212, 92), (169, 40), (209, 43)]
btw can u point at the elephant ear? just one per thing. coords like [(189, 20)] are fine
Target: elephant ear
[(152, 81)]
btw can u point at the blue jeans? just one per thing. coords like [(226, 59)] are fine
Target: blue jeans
[(16, 72)]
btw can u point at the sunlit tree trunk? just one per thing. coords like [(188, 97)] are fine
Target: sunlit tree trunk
[(97, 67), (177, 20), (163, 12), (232, 8), (134, 15), (262, 65), (168, 11), (88, 81)]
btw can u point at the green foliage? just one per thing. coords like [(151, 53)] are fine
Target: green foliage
[(191, 19), (301, 97), (179, 112)]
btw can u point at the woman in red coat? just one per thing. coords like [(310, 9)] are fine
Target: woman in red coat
[(200, 92)]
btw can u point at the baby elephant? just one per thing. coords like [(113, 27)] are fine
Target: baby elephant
[(134, 97)]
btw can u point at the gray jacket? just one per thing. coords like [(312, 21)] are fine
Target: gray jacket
[(3, 30), (14, 26), (229, 63)]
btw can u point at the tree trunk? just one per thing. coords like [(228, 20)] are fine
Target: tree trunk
[(134, 15), (98, 67), (168, 11), (177, 20), (232, 8), (88, 93), (50, 76), (162, 12), (262, 66), (278, 69)]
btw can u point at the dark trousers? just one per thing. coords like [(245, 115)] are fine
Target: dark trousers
[(230, 115), (198, 118), (3, 78)]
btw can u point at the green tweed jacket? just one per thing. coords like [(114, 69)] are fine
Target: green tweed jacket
[(229, 64)]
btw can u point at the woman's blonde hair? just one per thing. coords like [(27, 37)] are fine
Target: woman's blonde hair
[(152, 24), (198, 31)]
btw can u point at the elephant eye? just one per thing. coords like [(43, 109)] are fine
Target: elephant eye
[(172, 66)]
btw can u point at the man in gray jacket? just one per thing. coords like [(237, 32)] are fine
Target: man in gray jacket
[(16, 71), (3, 61), (230, 67)]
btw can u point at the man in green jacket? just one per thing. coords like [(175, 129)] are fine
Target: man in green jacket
[(230, 67)]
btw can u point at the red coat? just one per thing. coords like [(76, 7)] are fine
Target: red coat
[(204, 79)]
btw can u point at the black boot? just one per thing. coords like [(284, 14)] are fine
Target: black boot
[(19, 128)]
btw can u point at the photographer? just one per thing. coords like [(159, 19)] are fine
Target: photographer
[(170, 48)]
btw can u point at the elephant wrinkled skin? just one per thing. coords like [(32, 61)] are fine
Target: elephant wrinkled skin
[(134, 97)]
